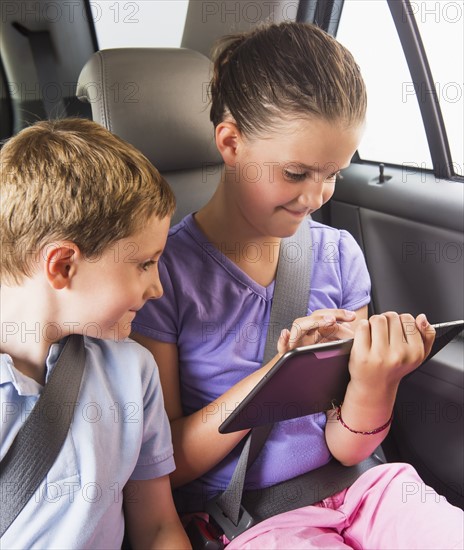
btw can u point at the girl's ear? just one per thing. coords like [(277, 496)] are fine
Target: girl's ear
[(59, 263), (227, 139)]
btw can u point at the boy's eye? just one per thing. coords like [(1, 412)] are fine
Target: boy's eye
[(146, 265), (295, 176)]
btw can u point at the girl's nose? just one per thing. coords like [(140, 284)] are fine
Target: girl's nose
[(311, 199), (312, 193)]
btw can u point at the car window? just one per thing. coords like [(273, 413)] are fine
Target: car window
[(440, 25), (395, 132), (126, 24)]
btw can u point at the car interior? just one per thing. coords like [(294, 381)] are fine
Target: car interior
[(407, 215)]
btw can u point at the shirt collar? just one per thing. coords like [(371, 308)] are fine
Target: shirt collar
[(23, 384)]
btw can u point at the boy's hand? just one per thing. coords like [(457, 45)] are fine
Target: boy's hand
[(151, 518), (387, 347), (323, 325)]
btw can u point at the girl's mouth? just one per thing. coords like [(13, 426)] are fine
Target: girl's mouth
[(297, 213)]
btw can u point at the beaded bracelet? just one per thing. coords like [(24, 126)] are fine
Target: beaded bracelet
[(371, 432)]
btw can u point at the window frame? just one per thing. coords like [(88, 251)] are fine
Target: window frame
[(421, 75), (327, 13)]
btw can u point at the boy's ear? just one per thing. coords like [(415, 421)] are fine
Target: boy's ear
[(59, 263), (227, 139)]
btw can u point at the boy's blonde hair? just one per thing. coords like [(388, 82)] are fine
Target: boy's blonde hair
[(72, 179)]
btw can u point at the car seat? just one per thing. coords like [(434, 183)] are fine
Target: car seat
[(157, 100)]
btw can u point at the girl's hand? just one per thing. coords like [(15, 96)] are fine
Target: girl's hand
[(322, 325), (386, 348)]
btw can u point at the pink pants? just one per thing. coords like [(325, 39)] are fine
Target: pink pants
[(389, 507)]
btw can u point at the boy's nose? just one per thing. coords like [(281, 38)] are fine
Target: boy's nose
[(154, 291)]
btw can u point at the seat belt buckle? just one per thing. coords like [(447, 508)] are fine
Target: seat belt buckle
[(231, 530), (203, 535)]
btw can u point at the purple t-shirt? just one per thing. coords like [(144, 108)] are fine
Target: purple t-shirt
[(218, 317)]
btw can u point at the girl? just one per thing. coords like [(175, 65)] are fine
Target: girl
[(288, 107)]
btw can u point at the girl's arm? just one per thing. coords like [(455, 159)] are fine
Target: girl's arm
[(198, 445), (385, 348)]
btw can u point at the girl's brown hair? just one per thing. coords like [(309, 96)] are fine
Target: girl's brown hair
[(281, 70)]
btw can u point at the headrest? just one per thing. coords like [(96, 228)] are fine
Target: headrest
[(157, 100)]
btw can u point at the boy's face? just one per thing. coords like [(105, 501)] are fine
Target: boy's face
[(110, 289)]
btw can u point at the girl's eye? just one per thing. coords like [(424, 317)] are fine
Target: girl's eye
[(146, 265), (295, 176), (300, 176), (335, 176)]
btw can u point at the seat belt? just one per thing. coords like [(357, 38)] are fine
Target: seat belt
[(290, 301), (40, 439), (44, 56)]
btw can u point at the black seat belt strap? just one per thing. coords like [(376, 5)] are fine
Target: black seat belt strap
[(41, 437), (45, 61)]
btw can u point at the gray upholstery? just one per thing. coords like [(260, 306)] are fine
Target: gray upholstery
[(157, 99), (26, 84)]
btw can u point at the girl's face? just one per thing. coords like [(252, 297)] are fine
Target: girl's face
[(280, 178)]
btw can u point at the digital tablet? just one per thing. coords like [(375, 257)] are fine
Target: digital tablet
[(308, 380)]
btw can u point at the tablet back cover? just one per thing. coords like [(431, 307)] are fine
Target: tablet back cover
[(302, 383), (307, 381)]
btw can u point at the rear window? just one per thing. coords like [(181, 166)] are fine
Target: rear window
[(158, 24)]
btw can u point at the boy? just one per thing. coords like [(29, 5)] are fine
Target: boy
[(84, 219)]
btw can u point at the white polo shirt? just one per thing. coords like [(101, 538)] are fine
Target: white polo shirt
[(119, 432)]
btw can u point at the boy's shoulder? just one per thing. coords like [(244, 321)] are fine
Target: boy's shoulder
[(120, 357)]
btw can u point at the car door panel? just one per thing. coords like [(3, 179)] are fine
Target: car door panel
[(411, 233)]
